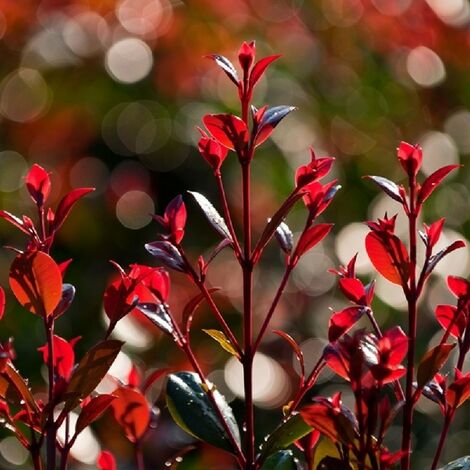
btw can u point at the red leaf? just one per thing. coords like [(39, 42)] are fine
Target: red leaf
[(294, 345), (18, 223), (153, 377), (341, 322), (353, 289), (36, 281), (227, 129), (2, 302), (92, 411), (446, 314), (458, 392), (381, 258), (175, 217), (213, 152), (131, 411), (260, 67), (410, 157), (395, 342), (246, 55), (434, 231), (38, 184), (432, 362), (312, 237), (106, 461), (66, 204), (459, 286), (64, 357), (433, 181)]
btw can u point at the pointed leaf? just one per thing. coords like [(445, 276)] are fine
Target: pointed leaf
[(167, 254), (90, 371), (190, 406), (353, 289), (446, 315), (66, 204), (341, 322), (36, 281), (227, 129), (131, 411), (226, 66), (433, 181), (284, 237), (220, 337), (312, 237), (214, 218), (260, 67), (295, 347), (153, 377), (432, 362), (271, 118), (92, 411), (68, 294), (18, 223), (23, 395), (2, 302), (381, 258), (282, 460), (286, 433), (444, 252), (388, 187), (38, 184), (158, 315)]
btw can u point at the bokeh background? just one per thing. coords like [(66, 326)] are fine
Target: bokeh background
[(107, 93)]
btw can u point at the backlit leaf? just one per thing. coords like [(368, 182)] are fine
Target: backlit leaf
[(92, 411), (66, 204), (220, 337), (433, 181), (388, 187), (432, 362), (158, 315), (226, 66)]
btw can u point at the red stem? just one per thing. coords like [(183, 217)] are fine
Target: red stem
[(139, 456), (442, 439), (412, 320), (50, 425)]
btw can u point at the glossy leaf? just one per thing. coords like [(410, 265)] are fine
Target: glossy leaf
[(167, 254), (341, 322), (214, 218), (260, 67), (433, 181), (18, 388), (36, 281), (312, 237), (158, 315), (444, 252), (38, 184), (190, 406), (271, 118), (353, 289), (282, 460), (227, 129), (66, 204), (388, 187), (226, 66), (68, 294), (283, 436), (432, 362), (220, 337), (446, 315), (463, 463), (15, 221), (295, 347), (90, 371), (131, 411), (92, 411), (381, 258), (284, 237)]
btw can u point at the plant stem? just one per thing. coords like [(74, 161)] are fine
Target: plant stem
[(139, 456), (442, 439), (36, 456), (412, 320), (248, 350), (50, 425)]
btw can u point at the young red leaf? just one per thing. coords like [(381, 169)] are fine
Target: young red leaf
[(38, 184), (246, 55), (174, 219), (458, 391), (2, 302), (36, 281), (213, 152), (410, 158), (341, 322), (380, 257), (459, 286), (434, 231), (432, 362), (106, 461), (448, 315), (353, 289), (66, 204), (312, 237), (227, 129), (271, 118), (433, 181), (64, 357), (260, 67), (131, 411), (92, 411)]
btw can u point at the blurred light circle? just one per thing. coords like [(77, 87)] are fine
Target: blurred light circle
[(85, 33), (312, 350), (348, 242), (90, 172), (142, 17), (392, 8), (425, 67), (439, 149), (457, 126), (129, 60), (129, 175), (24, 95), (136, 128), (134, 209), (456, 263), (271, 386), (12, 168), (276, 10), (135, 335), (119, 370), (342, 13), (86, 447), (452, 12), (13, 452), (390, 293), (383, 204)]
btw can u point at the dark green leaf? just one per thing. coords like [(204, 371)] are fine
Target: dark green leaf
[(463, 463), (192, 410), (282, 460)]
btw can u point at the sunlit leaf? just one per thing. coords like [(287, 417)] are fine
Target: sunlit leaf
[(220, 337), (432, 362)]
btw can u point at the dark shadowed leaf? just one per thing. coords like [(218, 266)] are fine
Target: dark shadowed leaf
[(226, 66), (2, 302), (214, 218), (167, 254), (271, 118), (444, 252), (463, 463), (286, 434), (36, 281), (158, 315), (433, 181), (92, 411), (17, 389), (432, 362), (388, 187), (282, 460), (220, 337), (341, 322), (90, 371), (68, 294), (190, 406), (284, 237), (14, 221)]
